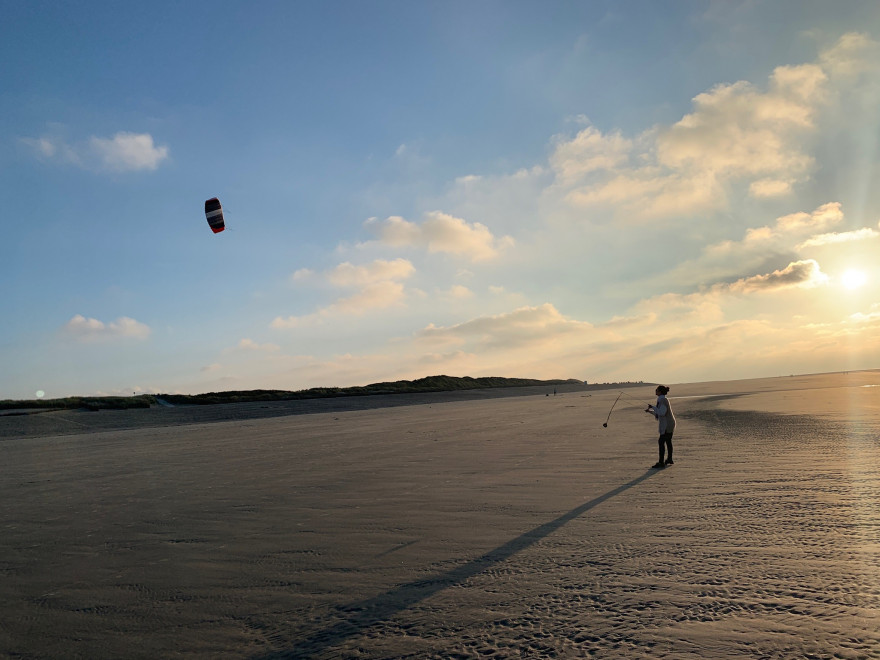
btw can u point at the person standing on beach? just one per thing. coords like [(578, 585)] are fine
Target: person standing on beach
[(662, 412)]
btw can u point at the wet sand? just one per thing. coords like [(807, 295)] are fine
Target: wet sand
[(509, 527)]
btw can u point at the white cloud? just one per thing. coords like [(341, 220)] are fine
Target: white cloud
[(290, 322), (650, 193), (302, 275), (395, 231), (697, 309), (124, 152), (346, 274), (588, 152), (457, 292), (870, 317), (766, 188), (841, 237), (805, 273), (441, 232), (44, 146), (251, 345), (52, 148), (506, 331), (410, 157), (823, 217), (378, 288), (736, 130), (89, 329), (853, 54), (374, 296), (129, 152)]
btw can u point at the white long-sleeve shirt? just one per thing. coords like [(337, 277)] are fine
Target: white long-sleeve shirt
[(663, 413)]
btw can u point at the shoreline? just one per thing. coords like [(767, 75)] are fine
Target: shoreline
[(737, 394)]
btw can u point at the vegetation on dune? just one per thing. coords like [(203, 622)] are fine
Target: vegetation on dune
[(83, 402), (421, 385)]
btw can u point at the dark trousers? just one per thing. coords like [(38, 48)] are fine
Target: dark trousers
[(665, 443)]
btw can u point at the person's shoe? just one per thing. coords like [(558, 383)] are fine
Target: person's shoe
[(658, 466), (670, 462)]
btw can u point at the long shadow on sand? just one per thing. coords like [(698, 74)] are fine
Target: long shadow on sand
[(363, 614)]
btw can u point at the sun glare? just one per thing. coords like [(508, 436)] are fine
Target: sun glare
[(853, 279)]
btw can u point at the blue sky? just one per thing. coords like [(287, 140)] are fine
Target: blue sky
[(665, 191)]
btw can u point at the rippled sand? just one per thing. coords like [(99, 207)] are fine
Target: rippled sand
[(513, 527)]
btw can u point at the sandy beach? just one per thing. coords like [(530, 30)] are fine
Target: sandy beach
[(450, 527)]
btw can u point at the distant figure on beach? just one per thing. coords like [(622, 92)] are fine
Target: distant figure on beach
[(662, 411)]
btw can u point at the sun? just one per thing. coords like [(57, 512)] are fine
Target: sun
[(853, 278)]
